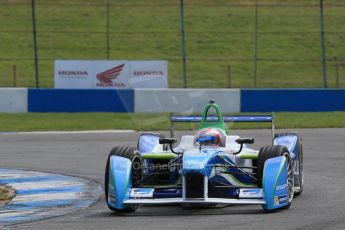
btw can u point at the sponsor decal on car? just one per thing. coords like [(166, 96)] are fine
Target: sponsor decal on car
[(280, 199), (250, 193), (276, 201), (281, 187), (141, 192)]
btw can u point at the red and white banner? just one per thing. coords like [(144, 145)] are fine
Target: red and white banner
[(73, 74)]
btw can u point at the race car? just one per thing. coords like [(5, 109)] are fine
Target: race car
[(210, 168)]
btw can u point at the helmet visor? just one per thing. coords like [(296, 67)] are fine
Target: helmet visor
[(207, 140)]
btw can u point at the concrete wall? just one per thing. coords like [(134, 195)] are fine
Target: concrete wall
[(13, 100), (16, 100), (292, 100), (80, 100), (185, 100)]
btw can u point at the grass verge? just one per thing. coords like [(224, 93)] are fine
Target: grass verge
[(96, 121)]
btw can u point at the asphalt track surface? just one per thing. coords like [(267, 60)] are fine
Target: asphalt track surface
[(321, 206)]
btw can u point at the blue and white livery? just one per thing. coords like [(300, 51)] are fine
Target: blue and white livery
[(219, 169)]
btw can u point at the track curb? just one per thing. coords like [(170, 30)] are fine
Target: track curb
[(41, 195)]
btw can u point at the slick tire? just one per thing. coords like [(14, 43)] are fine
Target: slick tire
[(298, 162), (132, 154), (300, 168), (268, 152)]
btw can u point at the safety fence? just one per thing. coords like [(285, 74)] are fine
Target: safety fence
[(222, 44)]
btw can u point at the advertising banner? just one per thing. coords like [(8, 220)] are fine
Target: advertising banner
[(119, 74)]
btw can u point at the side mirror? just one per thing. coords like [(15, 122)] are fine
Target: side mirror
[(169, 141), (248, 140), (241, 141)]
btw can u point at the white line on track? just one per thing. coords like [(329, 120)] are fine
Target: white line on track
[(45, 197), (45, 184), (5, 175), (71, 132), (80, 132), (7, 213)]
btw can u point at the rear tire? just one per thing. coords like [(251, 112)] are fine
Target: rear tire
[(268, 152), (297, 162), (300, 168), (132, 154)]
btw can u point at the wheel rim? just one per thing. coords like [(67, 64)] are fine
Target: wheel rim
[(290, 177)]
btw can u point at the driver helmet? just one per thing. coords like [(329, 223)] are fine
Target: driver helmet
[(210, 137)]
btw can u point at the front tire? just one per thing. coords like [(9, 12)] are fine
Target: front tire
[(268, 152), (132, 154)]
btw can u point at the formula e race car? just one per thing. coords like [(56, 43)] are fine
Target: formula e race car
[(210, 168)]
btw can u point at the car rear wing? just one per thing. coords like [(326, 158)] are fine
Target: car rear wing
[(227, 118)]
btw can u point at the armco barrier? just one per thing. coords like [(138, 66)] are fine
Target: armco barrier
[(294, 100), (14, 100), (80, 100), (185, 100)]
